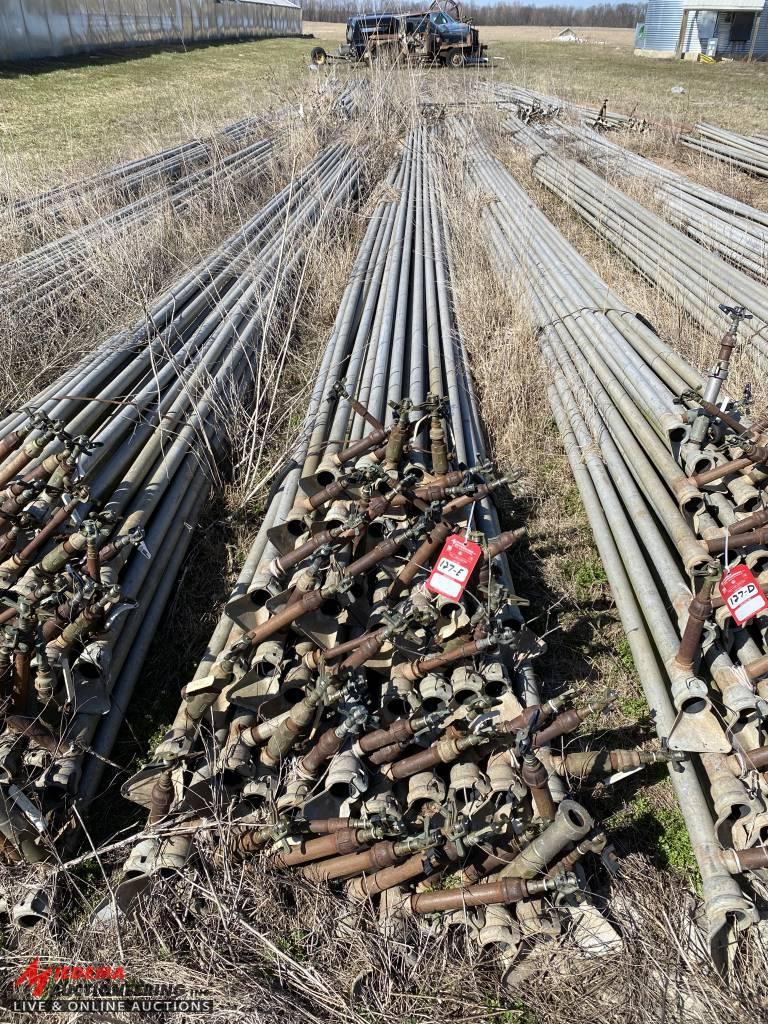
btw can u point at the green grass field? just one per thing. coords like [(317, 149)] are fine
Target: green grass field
[(58, 119)]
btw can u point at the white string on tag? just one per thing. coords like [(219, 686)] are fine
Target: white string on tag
[(469, 521), (725, 551)]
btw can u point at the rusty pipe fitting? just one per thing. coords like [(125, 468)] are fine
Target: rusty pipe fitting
[(387, 878), (161, 798), (699, 610), (445, 751), (607, 762), (536, 778), (505, 890), (341, 842)]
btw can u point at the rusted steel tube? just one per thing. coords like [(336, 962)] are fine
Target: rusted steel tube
[(753, 859), (22, 559), (592, 844), (539, 712), (328, 744), (336, 489), (699, 610), (161, 798), (756, 759), (379, 856), (14, 439), (606, 762), (387, 754), (710, 476), (322, 826), (377, 554), (725, 417), (445, 751), (365, 650), (536, 778), (490, 862), (23, 457), (432, 663), (505, 890), (361, 447), (337, 537), (388, 878), (399, 732), (421, 556), (276, 623), (566, 722), (749, 523), (343, 841), (316, 657), (505, 541), (753, 538)]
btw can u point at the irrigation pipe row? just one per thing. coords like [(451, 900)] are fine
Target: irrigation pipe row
[(654, 463), (103, 476)]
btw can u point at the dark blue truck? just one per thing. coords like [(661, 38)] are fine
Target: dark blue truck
[(431, 36)]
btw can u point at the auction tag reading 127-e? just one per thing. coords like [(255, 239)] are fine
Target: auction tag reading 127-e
[(454, 567), (742, 594)]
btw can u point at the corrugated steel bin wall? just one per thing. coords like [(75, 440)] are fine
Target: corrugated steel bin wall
[(30, 29), (662, 24), (662, 28)]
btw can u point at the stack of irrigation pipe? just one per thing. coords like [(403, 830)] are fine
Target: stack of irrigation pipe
[(102, 477), (651, 443), (127, 179), (367, 714), (748, 153), (536, 106), (736, 230), (40, 280), (695, 278)]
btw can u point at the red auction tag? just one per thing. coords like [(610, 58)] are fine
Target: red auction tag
[(454, 567), (742, 593)]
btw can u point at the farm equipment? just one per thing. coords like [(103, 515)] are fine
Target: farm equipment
[(437, 35)]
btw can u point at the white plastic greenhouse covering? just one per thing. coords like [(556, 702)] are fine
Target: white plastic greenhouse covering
[(30, 29)]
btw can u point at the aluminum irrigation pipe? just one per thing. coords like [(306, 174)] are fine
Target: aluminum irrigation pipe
[(697, 693), (119, 459), (48, 275), (697, 279), (534, 106), (736, 230), (333, 649), (109, 185), (742, 151)]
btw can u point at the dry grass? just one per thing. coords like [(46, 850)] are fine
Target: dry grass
[(267, 947)]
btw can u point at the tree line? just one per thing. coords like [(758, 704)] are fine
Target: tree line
[(602, 15)]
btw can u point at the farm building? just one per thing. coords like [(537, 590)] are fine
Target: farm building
[(31, 29), (686, 28), (567, 36)]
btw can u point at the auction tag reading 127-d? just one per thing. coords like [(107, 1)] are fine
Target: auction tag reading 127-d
[(454, 567), (742, 594)]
